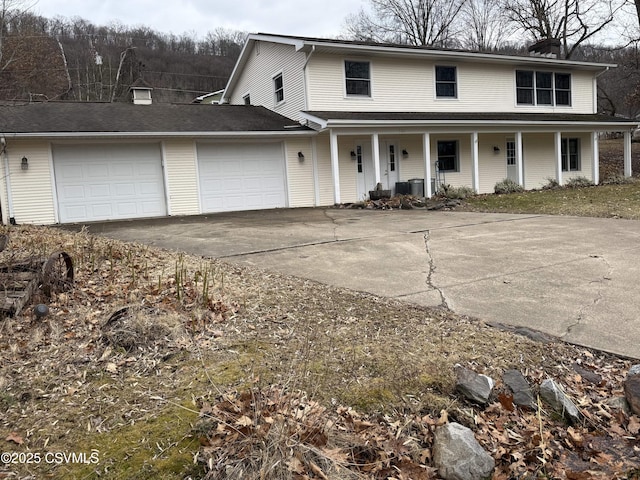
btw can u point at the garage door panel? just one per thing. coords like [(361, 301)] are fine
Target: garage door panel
[(109, 182), (241, 177)]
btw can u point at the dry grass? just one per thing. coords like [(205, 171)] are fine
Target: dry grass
[(131, 386)]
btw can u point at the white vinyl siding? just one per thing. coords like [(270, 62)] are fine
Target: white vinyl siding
[(492, 164), (300, 173), (408, 85), (180, 166), (325, 178), (32, 189), (258, 78)]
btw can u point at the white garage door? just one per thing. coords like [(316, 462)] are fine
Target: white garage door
[(109, 182), (241, 177)]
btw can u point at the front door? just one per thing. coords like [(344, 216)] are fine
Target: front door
[(389, 165), (512, 167)]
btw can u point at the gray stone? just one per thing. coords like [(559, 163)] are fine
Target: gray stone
[(458, 456), (522, 394), (551, 393), (618, 403), (632, 389), (473, 386)]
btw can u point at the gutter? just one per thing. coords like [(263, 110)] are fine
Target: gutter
[(7, 176), (165, 135), (304, 74)]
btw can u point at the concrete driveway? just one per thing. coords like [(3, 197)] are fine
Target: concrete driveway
[(574, 278)]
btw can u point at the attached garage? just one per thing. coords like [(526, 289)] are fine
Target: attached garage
[(249, 176), (109, 181)]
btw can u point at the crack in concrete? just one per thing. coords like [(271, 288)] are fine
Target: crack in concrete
[(598, 297), (432, 268), (334, 223), (475, 224)]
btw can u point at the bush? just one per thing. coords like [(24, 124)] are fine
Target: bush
[(617, 179), (552, 184), (507, 186), (578, 182), (459, 193)]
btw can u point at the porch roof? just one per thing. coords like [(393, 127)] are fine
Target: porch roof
[(330, 119)]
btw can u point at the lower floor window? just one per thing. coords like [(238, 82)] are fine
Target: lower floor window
[(448, 156), (570, 153)]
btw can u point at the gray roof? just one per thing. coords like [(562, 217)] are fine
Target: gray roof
[(470, 117), (77, 117)]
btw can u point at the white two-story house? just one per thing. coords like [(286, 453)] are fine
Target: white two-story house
[(389, 113), (307, 122)]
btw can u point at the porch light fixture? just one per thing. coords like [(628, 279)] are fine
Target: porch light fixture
[(301, 156), (24, 164), (496, 149), (405, 154), (353, 155)]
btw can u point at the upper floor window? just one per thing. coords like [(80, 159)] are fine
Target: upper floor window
[(357, 78), (446, 82), (278, 88), (448, 156), (247, 99), (543, 88)]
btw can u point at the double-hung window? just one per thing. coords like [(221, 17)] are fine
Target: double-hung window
[(357, 78), (278, 88), (446, 82), (448, 156), (543, 88), (570, 154)]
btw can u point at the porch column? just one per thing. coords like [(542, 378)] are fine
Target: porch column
[(558, 154), (627, 154), (519, 157), (375, 153), (475, 178), (426, 148), (335, 169), (595, 160)]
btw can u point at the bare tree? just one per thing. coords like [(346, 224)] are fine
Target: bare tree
[(486, 26), (413, 22), (573, 22)]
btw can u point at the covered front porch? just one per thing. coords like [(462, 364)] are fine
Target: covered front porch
[(366, 153)]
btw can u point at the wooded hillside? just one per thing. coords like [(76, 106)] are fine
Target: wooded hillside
[(72, 59)]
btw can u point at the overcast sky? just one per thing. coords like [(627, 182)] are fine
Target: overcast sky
[(287, 17)]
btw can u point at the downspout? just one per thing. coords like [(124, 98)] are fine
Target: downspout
[(304, 74), (11, 219), (595, 89)]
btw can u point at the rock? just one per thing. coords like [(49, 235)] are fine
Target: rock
[(632, 389), (587, 375), (551, 392), (458, 456), (473, 386), (522, 394), (618, 403)]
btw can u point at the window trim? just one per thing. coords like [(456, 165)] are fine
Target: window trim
[(535, 90), (443, 82), (456, 159), (278, 91), (346, 79), (565, 154)]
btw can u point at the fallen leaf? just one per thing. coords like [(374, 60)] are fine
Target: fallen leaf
[(15, 438)]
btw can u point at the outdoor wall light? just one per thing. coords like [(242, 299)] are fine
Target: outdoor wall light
[(301, 156), (496, 149), (405, 154), (24, 164), (353, 155)]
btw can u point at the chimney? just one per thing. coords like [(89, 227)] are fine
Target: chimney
[(141, 92), (549, 47)]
